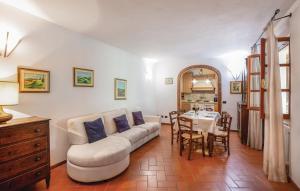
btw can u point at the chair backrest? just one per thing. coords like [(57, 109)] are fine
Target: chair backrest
[(185, 124), (227, 122), (222, 119), (173, 117)]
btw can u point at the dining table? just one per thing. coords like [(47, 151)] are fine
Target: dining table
[(204, 122)]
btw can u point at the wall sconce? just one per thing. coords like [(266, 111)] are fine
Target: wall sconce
[(8, 43), (149, 64)]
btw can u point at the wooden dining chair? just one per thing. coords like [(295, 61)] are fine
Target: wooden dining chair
[(223, 136), (174, 132), (220, 122), (189, 137)]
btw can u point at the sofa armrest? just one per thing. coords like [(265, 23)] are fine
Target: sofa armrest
[(152, 118)]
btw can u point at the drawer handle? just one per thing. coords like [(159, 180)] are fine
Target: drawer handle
[(38, 174), (37, 130), (37, 145), (37, 159)]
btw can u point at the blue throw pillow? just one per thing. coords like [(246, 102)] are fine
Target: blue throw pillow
[(138, 118), (122, 123), (95, 130)]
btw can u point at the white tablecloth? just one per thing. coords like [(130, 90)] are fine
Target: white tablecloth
[(203, 121)]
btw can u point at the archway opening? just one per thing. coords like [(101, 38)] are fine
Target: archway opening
[(201, 84)]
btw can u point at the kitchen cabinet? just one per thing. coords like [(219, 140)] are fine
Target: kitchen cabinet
[(187, 83)]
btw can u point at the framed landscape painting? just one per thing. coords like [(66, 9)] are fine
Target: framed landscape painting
[(236, 87), (83, 77), (120, 89), (33, 81)]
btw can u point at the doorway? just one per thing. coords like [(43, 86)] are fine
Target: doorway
[(201, 84)]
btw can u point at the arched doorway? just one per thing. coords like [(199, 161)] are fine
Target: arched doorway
[(199, 83)]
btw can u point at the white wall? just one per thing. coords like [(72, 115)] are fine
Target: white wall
[(47, 46), (295, 101), (166, 95)]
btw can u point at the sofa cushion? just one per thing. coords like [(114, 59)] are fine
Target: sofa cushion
[(129, 116), (109, 124), (133, 134), (104, 152), (76, 130), (149, 126), (138, 118), (121, 123), (94, 130)]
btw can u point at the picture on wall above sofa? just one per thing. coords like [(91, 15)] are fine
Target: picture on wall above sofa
[(120, 89), (83, 77), (33, 80)]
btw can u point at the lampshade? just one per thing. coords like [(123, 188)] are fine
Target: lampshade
[(9, 93)]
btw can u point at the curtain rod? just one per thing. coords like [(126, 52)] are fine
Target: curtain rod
[(277, 11)]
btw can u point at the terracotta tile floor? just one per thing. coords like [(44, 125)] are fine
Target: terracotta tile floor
[(157, 166)]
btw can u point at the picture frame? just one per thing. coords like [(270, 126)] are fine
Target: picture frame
[(83, 77), (120, 89), (169, 81), (33, 80), (236, 87)]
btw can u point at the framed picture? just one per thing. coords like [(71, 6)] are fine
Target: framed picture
[(168, 81), (83, 77), (236, 87), (33, 81), (120, 89)]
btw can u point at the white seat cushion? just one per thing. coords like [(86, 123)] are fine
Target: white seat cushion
[(109, 150), (151, 127), (133, 134)]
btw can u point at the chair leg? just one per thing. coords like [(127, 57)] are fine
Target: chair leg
[(180, 145), (228, 148), (190, 149), (177, 136), (207, 140), (210, 142), (225, 143), (203, 147), (172, 136)]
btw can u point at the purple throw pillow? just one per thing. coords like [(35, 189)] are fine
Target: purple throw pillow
[(94, 130), (138, 118), (121, 123)]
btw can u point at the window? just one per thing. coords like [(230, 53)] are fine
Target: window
[(256, 69), (285, 74), (255, 81)]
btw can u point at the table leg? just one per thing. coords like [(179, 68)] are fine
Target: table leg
[(210, 143)]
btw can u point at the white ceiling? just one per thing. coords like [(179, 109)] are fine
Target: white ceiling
[(162, 28)]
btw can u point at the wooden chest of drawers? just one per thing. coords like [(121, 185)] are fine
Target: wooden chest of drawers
[(24, 153)]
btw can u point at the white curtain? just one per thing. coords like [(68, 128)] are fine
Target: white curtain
[(274, 162), (255, 130)]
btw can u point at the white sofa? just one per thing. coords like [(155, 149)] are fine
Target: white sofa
[(107, 157)]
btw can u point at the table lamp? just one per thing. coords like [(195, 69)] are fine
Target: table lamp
[(9, 95)]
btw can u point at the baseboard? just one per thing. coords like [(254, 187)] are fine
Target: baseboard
[(58, 164), (292, 182)]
